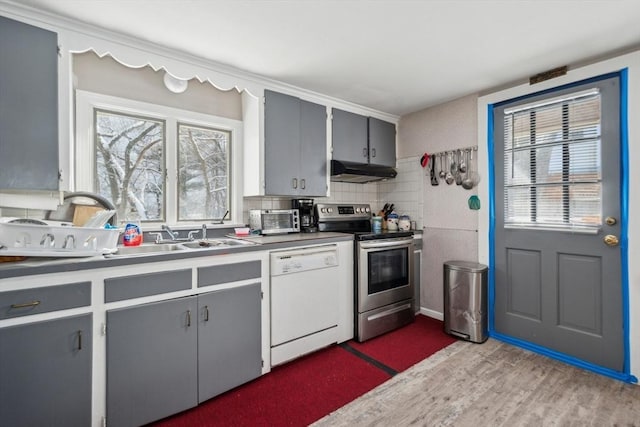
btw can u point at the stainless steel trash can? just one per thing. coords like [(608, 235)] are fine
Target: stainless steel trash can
[(465, 300)]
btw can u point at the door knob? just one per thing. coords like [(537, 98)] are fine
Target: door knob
[(610, 220), (611, 240)]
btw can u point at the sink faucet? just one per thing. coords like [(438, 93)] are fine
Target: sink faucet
[(173, 235)]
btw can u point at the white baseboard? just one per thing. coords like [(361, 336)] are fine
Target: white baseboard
[(432, 313)]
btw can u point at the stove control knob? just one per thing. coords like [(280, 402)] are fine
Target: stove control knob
[(367, 209), (357, 210), (329, 210)]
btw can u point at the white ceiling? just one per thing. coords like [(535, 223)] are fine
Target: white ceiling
[(393, 56)]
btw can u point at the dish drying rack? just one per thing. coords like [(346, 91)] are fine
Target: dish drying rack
[(19, 239)]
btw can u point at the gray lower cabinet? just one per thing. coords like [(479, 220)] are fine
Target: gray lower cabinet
[(28, 107), (152, 368), (45, 373), (165, 357), (295, 146), (229, 339)]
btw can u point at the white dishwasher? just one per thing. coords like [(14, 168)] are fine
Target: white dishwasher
[(304, 301)]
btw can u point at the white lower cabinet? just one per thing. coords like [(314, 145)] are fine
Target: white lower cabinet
[(168, 356)]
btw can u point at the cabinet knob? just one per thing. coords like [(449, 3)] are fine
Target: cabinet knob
[(364, 152), (188, 318), (206, 313), (294, 183), (303, 184), (373, 152)]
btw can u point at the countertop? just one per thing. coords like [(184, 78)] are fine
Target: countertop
[(35, 265)]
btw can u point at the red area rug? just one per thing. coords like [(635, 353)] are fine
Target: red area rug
[(404, 347), (305, 390), (295, 394)]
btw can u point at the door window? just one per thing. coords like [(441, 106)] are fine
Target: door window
[(552, 163)]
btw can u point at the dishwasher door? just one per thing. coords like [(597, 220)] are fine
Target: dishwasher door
[(304, 292)]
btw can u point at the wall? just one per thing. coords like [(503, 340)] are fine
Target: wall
[(450, 227), (107, 76)]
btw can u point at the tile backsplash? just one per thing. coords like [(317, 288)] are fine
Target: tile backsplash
[(405, 192)]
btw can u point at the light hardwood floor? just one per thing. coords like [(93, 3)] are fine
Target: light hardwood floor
[(492, 384)]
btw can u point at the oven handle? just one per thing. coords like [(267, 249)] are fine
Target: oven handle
[(400, 243)]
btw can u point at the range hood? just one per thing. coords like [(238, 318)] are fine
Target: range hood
[(359, 173)]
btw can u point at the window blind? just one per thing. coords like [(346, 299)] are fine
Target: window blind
[(552, 163)]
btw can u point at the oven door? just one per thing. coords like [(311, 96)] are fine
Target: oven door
[(384, 272)]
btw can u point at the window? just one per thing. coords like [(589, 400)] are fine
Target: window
[(552, 173), (169, 165)]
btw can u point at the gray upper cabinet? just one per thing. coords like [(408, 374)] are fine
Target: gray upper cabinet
[(364, 140), (382, 143), (28, 107), (295, 146), (45, 373), (350, 136)]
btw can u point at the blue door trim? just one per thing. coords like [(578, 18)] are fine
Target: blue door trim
[(624, 201)]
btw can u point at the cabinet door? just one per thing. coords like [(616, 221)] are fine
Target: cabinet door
[(229, 339), (313, 156), (28, 107), (382, 142), (281, 143), (45, 373), (349, 135), (151, 361)]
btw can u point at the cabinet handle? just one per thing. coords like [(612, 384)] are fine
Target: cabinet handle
[(303, 184), (79, 340), (206, 313), (26, 304), (364, 152), (373, 152), (294, 183), (188, 318)]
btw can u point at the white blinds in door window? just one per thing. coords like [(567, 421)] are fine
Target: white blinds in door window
[(552, 172)]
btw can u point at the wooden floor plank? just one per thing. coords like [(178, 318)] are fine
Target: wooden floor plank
[(493, 384)]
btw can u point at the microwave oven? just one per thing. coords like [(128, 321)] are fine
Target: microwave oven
[(274, 221)]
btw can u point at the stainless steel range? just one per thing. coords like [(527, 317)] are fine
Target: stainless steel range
[(383, 265)]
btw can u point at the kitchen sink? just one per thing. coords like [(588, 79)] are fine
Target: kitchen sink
[(216, 243), (148, 248)]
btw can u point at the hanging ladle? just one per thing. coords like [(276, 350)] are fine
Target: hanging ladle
[(442, 173), (462, 167), (467, 182), (449, 176)]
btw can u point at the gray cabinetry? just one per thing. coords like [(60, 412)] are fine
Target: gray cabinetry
[(382, 142), (360, 139), (165, 357), (229, 339), (28, 107), (350, 137), (152, 370), (45, 373), (295, 146), (25, 302)]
